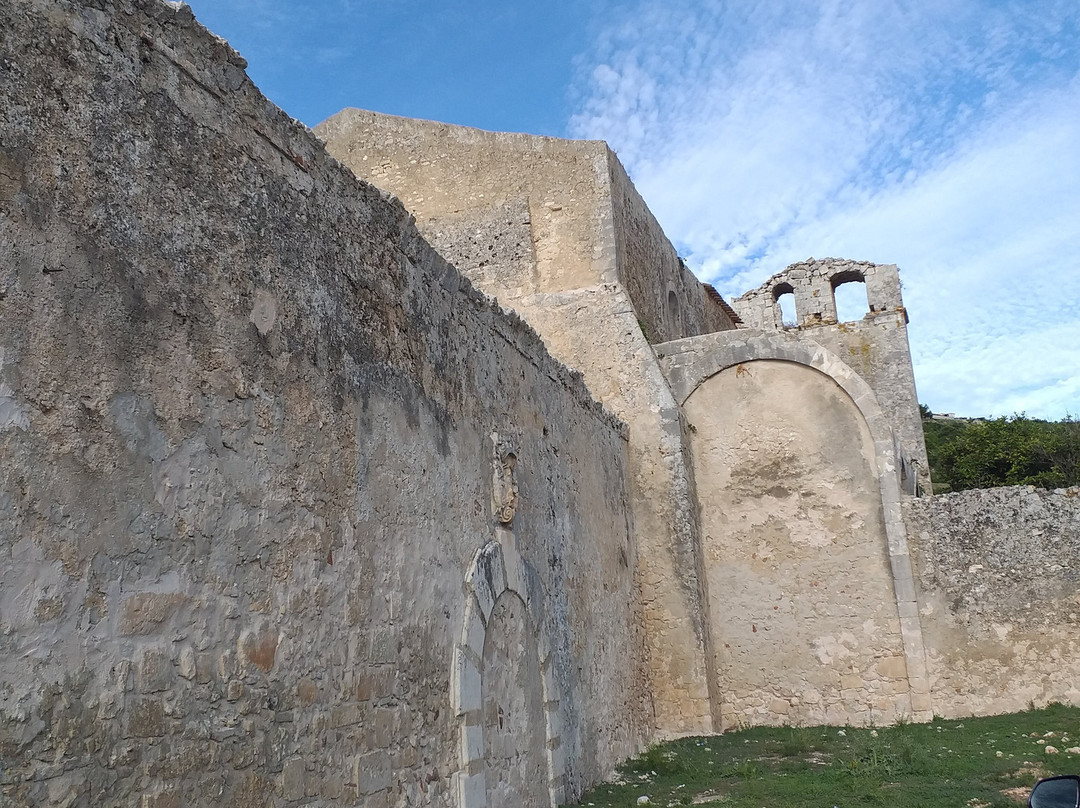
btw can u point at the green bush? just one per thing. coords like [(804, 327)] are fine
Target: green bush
[(1013, 450)]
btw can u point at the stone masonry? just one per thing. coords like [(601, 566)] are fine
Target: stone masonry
[(999, 593), (404, 464), (555, 229), (248, 458)]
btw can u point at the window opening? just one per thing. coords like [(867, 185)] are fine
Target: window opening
[(784, 296), (849, 295)]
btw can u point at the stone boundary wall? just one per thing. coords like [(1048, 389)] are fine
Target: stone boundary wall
[(999, 593), (246, 464)]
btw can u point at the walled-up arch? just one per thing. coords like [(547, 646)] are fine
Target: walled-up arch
[(504, 691), (819, 498)]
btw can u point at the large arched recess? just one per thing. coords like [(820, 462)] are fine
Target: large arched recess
[(808, 581)]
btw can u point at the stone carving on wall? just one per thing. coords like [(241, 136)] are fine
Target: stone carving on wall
[(505, 490)]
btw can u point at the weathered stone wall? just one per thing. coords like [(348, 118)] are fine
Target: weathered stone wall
[(295, 515), (246, 420), (799, 497), (518, 214), (669, 301), (598, 329), (876, 346), (999, 591), (482, 197), (601, 272)]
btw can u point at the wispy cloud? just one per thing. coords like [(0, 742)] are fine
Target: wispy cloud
[(944, 137)]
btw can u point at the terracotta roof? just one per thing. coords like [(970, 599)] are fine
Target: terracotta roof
[(714, 296)]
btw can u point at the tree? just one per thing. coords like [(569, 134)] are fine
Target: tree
[(1014, 450)]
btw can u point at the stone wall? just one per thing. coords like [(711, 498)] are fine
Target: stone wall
[(875, 346), (998, 588), (250, 428), (669, 301), (810, 593), (518, 214), (596, 286), (297, 515), (523, 214)]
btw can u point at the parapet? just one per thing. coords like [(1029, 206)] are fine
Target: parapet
[(813, 284)]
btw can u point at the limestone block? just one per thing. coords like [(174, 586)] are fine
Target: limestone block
[(146, 612), (557, 764), (472, 744), (293, 780), (554, 722), (466, 686), (892, 668), (486, 578), (185, 664), (471, 790), (473, 630), (146, 719), (780, 706), (384, 681), (258, 647), (904, 582), (307, 691), (516, 576), (380, 799), (373, 772), (921, 703), (384, 727), (155, 670), (345, 715), (851, 682)]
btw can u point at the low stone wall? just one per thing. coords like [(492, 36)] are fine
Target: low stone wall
[(259, 448), (999, 594)]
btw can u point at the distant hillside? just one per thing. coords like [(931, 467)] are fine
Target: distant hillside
[(1015, 450)]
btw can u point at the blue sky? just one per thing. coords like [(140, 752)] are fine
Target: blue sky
[(940, 135)]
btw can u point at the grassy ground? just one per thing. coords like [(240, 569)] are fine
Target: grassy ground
[(971, 763)]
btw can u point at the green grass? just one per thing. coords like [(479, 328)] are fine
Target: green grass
[(951, 764)]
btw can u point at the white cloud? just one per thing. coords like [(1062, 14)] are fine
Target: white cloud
[(942, 137)]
